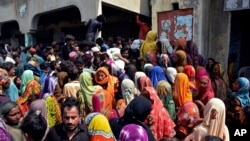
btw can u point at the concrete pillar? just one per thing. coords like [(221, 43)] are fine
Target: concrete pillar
[(99, 12), (28, 39)]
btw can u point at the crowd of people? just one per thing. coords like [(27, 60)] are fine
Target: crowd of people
[(118, 89)]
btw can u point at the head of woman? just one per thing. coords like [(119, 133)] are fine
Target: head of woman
[(143, 82), (157, 74), (164, 88), (138, 109), (98, 127), (180, 58), (217, 70), (4, 79), (182, 93), (27, 76), (10, 111), (138, 74), (100, 75), (241, 85), (102, 103), (133, 132), (214, 117), (148, 68), (128, 90), (200, 71), (171, 73), (151, 36), (190, 71), (205, 83)]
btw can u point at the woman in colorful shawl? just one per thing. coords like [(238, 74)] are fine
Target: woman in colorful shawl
[(143, 82), (29, 87), (193, 56), (159, 119), (133, 132), (164, 91), (190, 72), (98, 127), (218, 82), (199, 72), (136, 112), (151, 58), (87, 92), (11, 114), (171, 74), (118, 111), (102, 102), (213, 123), (239, 99), (128, 90), (107, 81), (138, 74), (147, 68), (53, 107), (205, 92), (187, 110), (180, 60), (147, 46), (157, 75)]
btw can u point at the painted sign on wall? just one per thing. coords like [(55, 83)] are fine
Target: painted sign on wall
[(231, 5), (175, 24)]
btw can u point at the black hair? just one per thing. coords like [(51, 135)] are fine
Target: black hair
[(7, 66), (87, 59), (71, 102), (99, 41), (52, 65), (73, 74), (35, 125), (65, 65), (45, 65), (16, 56), (124, 49), (104, 56), (101, 18), (107, 66)]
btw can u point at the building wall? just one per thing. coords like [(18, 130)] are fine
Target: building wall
[(211, 25), (27, 12)]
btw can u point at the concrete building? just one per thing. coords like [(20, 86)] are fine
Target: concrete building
[(44, 18), (219, 27)]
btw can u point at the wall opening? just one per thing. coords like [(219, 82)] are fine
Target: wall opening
[(53, 26)]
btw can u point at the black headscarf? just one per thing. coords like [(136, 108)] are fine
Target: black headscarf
[(135, 113)]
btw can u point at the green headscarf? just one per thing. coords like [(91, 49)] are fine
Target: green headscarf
[(87, 88), (27, 76)]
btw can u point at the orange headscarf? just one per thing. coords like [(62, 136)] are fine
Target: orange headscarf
[(182, 93), (182, 43), (190, 72), (109, 80)]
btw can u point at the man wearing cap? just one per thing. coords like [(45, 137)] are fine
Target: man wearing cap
[(67, 48)]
